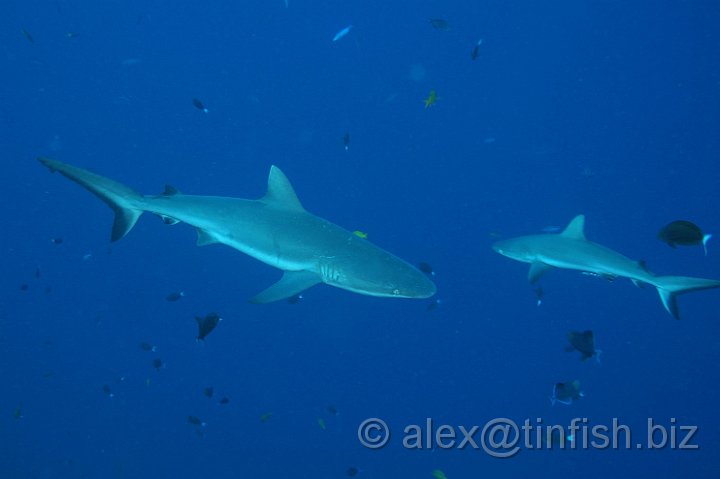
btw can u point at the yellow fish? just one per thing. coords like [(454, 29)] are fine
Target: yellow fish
[(438, 474), (321, 423), (430, 100), (360, 234)]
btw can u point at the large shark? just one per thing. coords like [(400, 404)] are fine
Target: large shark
[(570, 249), (274, 229)]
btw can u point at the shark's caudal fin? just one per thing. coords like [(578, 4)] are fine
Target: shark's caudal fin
[(125, 202), (669, 287)]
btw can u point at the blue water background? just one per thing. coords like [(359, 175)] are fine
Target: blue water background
[(606, 108)]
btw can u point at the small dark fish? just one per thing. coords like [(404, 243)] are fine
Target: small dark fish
[(37, 272), (196, 421), (157, 363), (172, 297), (28, 36), (566, 393), (426, 268), (332, 410), (352, 471), (199, 105), (433, 305), (224, 400), (440, 24), (295, 299), (539, 294), (207, 324), (24, 287), (56, 240), (48, 289), (584, 343), (476, 51), (18, 412), (346, 141), (106, 390), (145, 346), (208, 392), (684, 233)]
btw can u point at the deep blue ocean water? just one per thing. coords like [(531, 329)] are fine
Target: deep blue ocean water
[(606, 108)]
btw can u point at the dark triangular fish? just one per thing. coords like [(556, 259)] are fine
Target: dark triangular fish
[(684, 233), (174, 296), (584, 343), (207, 324), (208, 392), (566, 392), (476, 51), (224, 400), (440, 24), (157, 363), (426, 268), (199, 105)]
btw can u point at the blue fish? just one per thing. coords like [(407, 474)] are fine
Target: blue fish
[(342, 33)]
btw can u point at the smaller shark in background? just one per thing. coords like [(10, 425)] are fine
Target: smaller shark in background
[(570, 249)]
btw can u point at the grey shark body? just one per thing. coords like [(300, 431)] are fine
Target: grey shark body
[(274, 229), (571, 250)]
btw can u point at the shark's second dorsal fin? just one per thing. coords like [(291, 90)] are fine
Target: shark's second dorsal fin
[(170, 191), (576, 228), (280, 192)]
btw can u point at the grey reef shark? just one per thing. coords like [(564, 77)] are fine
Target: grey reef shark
[(570, 249), (274, 229)]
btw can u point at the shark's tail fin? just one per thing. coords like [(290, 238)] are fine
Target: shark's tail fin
[(125, 202), (671, 286)]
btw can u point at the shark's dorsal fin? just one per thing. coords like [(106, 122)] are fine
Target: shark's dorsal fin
[(576, 228), (280, 192)]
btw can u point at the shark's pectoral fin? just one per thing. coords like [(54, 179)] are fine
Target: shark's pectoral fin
[(205, 238), (292, 283), (537, 269), (125, 219)]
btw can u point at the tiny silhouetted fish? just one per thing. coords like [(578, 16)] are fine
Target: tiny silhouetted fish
[(28, 36), (426, 268), (172, 297), (332, 410), (24, 287), (208, 392), (207, 324), (157, 363), (145, 346), (433, 305), (352, 471), (295, 299), (346, 141), (539, 294), (584, 343), (106, 390), (440, 24), (37, 272), (476, 51), (684, 233), (56, 240), (199, 105), (196, 421), (224, 400)]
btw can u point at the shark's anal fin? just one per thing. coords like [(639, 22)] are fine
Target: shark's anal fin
[(291, 283), (204, 238), (537, 269)]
